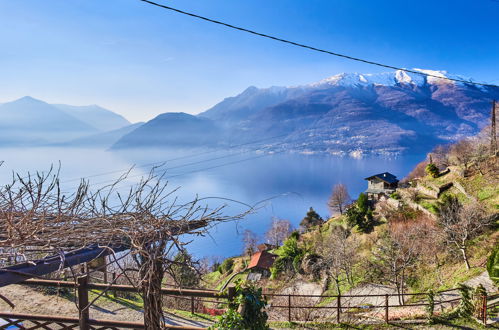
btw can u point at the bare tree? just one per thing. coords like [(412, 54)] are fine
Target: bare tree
[(339, 198), (460, 224), (338, 251), (250, 241), (462, 152), (440, 155), (279, 230), (393, 258)]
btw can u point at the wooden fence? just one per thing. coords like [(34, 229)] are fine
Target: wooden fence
[(84, 321), (340, 306), (337, 309)]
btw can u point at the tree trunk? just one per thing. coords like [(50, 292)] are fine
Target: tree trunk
[(465, 257), (152, 276), (336, 280), (402, 283)]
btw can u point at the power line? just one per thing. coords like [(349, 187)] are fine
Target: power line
[(164, 170), (315, 48), (196, 154)]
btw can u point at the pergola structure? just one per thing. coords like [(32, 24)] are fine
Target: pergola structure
[(44, 230)]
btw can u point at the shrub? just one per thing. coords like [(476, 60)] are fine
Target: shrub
[(493, 265), (432, 170), (226, 266), (395, 195), (246, 311), (290, 257), (361, 215)]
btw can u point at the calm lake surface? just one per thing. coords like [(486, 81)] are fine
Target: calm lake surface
[(288, 183)]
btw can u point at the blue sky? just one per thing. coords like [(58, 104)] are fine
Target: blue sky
[(139, 60)]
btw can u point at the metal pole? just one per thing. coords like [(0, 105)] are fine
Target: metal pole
[(386, 307), (289, 308), (338, 310), (83, 303)]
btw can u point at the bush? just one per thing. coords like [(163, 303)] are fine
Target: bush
[(432, 170), (361, 215), (246, 311), (290, 257), (395, 195), (226, 266), (493, 265)]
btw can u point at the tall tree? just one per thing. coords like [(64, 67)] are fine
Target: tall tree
[(250, 241), (311, 219), (279, 230), (339, 198)]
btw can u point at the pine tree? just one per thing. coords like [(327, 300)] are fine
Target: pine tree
[(311, 219)]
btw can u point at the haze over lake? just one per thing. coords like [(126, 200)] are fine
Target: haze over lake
[(290, 183)]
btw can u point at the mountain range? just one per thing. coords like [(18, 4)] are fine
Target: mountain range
[(350, 113), (31, 122)]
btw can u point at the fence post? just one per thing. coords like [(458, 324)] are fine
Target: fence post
[(83, 302), (338, 309), (387, 300), (289, 308), (113, 283), (484, 309), (192, 304), (231, 293)]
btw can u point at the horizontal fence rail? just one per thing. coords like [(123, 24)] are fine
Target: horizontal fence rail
[(210, 302)]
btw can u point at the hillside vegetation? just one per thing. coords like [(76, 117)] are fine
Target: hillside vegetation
[(436, 232)]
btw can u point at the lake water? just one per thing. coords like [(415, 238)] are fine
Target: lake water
[(290, 183)]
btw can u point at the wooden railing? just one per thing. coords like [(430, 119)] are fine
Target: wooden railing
[(340, 305), (84, 321), (338, 308)]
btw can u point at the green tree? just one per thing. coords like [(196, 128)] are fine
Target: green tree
[(360, 215), (432, 170), (311, 219), (290, 255), (183, 271)]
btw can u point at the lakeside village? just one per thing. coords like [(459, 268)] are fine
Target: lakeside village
[(420, 251)]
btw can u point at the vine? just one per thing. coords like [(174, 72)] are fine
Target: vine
[(246, 310)]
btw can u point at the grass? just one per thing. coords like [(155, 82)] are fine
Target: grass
[(450, 324)]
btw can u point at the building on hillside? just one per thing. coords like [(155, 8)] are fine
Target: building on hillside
[(260, 264), (382, 184)]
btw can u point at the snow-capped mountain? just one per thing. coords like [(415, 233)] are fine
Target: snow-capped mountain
[(391, 112), (388, 78)]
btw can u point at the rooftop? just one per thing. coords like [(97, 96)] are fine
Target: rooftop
[(386, 176), (262, 259)]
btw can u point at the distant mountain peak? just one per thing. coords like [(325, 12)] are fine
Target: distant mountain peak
[(28, 99), (390, 78)]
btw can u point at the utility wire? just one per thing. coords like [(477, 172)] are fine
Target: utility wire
[(164, 170), (315, 48), (196, 154)]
